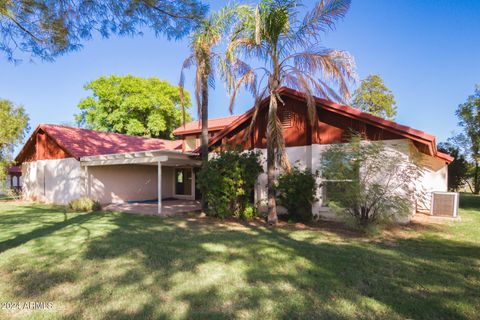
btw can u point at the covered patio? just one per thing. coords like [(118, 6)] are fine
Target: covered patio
[(158, 182)]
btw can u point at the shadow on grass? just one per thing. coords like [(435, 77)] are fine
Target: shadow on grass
[(208, 269), (421, 278), (43, 231), (29, 213)]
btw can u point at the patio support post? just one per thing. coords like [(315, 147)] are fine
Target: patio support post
[(87, 183), (159, 187)]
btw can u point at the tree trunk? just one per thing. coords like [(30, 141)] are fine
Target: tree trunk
[(272, 137), (476, 183), (204, 135), (271, 157)]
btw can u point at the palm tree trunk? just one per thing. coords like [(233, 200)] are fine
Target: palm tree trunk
[(204, 135), (271, 161)]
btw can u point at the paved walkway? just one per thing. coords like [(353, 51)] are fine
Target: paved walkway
[(169, 207)]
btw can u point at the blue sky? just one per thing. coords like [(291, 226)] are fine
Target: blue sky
[(428, 53)]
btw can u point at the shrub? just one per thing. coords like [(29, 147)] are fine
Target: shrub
[(250, 212), (84, 204), (13, 194), (370, 183), (296, 192), (227, 181)]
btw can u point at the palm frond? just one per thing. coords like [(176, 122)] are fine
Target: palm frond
[(249, 81), (211, 79), (332, 65), (187, 63), (304, 83), (317, 22)]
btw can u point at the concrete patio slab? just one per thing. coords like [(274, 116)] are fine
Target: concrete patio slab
[(169, 207)]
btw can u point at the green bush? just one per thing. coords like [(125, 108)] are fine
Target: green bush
[(250, 212), (296, 192), (84, 204), (227, 181)]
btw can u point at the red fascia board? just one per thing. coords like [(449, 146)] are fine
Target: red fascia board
[(445, 156), (191, 131)]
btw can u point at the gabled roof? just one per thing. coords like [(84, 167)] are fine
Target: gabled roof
[(78, 142), (213, 125), (416, 135)]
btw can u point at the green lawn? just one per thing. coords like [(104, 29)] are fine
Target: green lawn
[(120, 266)]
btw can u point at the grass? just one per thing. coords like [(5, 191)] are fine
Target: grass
[(120, 266)]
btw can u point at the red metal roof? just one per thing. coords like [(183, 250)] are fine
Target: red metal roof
[(213, 125), (407, 132), (83, 142)]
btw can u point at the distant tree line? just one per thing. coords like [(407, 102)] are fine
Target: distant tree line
[(464, 171)]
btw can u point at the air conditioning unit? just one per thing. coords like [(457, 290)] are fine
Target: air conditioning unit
[(444, 204)]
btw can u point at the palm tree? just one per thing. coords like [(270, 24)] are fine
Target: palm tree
[(207, 62), (273, 34)]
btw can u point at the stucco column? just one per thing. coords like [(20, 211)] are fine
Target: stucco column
[(159, 187)]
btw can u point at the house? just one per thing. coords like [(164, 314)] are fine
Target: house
[(334, 123), (14, 178), (61, 163)]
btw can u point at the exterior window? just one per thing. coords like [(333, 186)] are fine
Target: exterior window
[(337, 180), (183, 181), (332, 190), (286, 118)]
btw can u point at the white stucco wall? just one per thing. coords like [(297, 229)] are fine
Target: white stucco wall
[(432, 178), (168, 182), (61, 181), (53, 181), (121, 183)]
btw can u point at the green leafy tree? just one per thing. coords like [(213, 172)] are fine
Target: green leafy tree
[(374, 97), (468, 115), (14, 126), (458, 169), (288, 47), (132, 105), (46, 29)]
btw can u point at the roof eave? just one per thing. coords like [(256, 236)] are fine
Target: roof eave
[(190, 131)]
